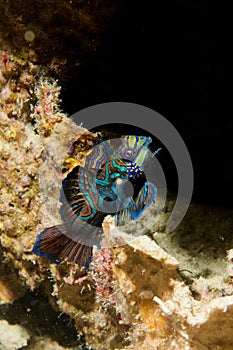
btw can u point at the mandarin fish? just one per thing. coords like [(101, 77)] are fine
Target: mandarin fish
[(112, 181)]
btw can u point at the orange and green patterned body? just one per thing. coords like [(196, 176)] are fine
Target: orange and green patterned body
[(92, 192)]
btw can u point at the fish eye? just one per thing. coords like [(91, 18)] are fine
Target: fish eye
[(128, 153)]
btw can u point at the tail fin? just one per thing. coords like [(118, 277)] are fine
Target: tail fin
[(56, 246)]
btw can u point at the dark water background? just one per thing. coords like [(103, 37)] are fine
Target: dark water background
[(172, 58)]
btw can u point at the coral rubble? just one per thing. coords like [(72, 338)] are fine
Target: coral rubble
[(135, 295), (12, 337)]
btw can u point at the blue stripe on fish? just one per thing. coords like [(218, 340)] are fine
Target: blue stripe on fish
[(85, 192)]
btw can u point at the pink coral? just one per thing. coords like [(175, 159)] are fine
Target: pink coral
[(102, 274)]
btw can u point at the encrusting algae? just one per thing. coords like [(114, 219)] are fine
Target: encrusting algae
[(132, 296), (22, 139)]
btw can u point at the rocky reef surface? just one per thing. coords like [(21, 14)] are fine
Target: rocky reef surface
[(154, 291), (134, 296)]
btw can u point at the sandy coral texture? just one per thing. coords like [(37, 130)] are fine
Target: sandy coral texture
[(150, 292)]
